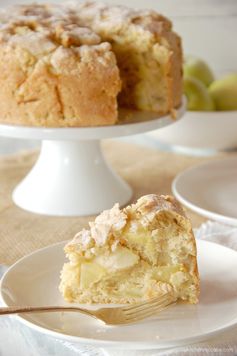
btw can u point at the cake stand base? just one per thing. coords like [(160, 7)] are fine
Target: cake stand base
[(71, 178)]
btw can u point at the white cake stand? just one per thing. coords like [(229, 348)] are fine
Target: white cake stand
[(71, 176)]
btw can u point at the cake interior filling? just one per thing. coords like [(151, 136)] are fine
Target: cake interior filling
[(143, 69), (143, 264)]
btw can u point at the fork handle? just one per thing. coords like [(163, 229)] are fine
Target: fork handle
[(16, 310)]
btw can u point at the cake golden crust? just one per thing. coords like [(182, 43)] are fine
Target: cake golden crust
[(51, 71), (133, 254)]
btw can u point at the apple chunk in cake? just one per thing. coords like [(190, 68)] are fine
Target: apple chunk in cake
[(133, 254)]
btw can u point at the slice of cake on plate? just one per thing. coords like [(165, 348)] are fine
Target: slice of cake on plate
[(133, 254)]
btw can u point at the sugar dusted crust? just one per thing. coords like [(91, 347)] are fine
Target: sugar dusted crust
[(55, 70), (71, 65), (131, 254)]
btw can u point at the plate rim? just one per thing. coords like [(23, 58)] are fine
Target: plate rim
[(204, 212), (139, 345)]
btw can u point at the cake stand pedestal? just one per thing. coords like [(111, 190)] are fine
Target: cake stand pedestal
[(71, 176)]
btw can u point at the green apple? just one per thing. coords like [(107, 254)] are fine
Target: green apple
[(224, 92), (197, 95), (195, 67)]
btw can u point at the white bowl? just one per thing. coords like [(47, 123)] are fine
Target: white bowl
[(207, 131)]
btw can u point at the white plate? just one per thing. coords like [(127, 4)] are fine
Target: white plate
[(34, 281), (200, 132), (210, 189)]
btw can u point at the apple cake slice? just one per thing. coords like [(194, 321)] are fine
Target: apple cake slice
[(133, 254)]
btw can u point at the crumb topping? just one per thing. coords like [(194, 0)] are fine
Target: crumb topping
[(103, 16), (108, 223), (108, 226), (149, 205), (105, 226), (42, 28), (83, 238)]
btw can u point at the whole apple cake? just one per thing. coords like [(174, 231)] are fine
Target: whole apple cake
[(72, 65), (133, 254)]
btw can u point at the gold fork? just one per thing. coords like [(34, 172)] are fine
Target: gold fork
[(111, 316)]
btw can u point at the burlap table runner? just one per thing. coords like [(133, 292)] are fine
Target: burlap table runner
[(21, 232)]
